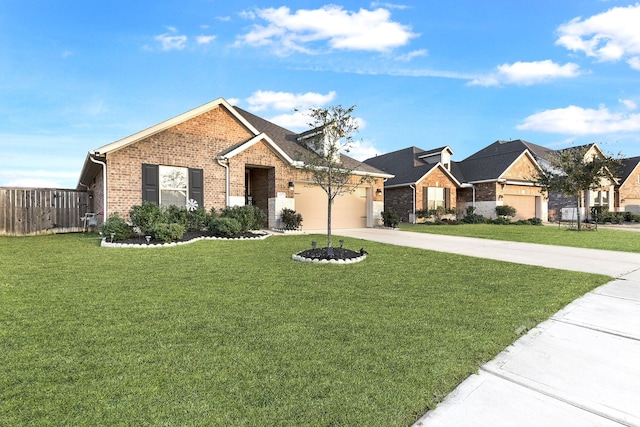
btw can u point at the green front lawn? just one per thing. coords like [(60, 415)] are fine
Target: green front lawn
[(236, 333), (602, 238)]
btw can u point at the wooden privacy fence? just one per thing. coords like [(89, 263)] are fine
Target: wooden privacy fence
[(28, 211)]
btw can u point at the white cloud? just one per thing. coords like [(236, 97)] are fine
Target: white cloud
[(629, 104), (634, 62), (286, 101), (527, 73), (298, 120), (169, 41), (172, 40), (362, 150), (302, 30), (205, 39), (413, 54), (376, 4), (609, 36), (574, 120), (38, 178)]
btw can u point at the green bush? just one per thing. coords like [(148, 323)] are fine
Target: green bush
[(225, 227), (176, 215), (291, 220), (249, 217), (196, 220), (501, 221), (535, 221), (146, 216), (390, 218), (472, 217), (506, 211), (167, 232), (116, 225)]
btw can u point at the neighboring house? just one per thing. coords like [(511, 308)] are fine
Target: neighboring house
[(502, 173), (423, 181), (220, 155), (627, 191)]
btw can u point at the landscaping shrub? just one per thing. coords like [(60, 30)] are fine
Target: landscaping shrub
[(291, 220), (390, 218), (168, 232), (473, 218), (146, 216), (196, 219), (225, 226), (501, 221), (249, 217), (116, 225), (176, 215), (506, 211), (535, 221)]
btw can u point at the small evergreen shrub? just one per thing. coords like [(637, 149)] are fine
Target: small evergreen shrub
[(196, 220), (501, 221), (167, 232), (390, 218), (116, 225), (291, 220), (250, 217), (146, 216), (225, 226), (535, 221), (176, 215), (506, 211), (472, 217)]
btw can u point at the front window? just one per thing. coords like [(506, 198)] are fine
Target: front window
[(600, 198), (174, 186), (435, 198)]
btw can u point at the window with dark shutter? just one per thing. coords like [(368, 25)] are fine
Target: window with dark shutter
[(196, 186), (150, 184)]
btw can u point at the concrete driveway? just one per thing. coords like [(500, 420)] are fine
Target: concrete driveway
[(579, 368)]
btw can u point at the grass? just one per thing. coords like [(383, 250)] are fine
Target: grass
[(236, 333), (603, 238)]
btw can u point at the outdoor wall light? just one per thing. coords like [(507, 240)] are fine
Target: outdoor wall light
[(313, 245), (379, 192), (291, 187)]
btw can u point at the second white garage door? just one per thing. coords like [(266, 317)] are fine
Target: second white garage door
[(349, 209)]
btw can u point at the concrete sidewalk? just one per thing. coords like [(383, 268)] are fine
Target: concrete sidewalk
[(579, 368)]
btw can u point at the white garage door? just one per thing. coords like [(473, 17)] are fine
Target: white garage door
[(632, 205), (349, 210), (525, 205)]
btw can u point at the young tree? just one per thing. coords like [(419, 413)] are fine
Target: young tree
[(332, 132), (572, 173)]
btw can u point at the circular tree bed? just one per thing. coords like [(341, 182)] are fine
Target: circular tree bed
[(340, 255)]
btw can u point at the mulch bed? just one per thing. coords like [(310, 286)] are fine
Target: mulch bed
[(186, 237), (338, 254)]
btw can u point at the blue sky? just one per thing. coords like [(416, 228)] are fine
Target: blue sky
[(75, 75)]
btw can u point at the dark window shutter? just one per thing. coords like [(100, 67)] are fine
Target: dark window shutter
[(196, 186), (150, 184), (447, 198), (425, 198)]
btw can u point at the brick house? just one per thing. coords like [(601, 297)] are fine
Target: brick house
[(499, 174), (627, 191), (422, 181), (220, 155)]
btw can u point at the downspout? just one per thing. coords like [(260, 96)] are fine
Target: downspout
[(104, 185), (414, 202), (226, 186)]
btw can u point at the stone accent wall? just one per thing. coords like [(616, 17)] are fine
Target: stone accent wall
[(400, 200)]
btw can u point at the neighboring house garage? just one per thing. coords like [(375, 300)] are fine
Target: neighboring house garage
[(349, 209), (525, 205)]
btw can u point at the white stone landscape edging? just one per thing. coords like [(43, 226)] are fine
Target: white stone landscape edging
[(299, 258), (106, 244)]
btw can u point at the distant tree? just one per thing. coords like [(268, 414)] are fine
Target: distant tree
[(572, 173), (332, 132)]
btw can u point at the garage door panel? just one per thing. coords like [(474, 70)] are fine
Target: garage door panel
[(349, 209), (525, 205)]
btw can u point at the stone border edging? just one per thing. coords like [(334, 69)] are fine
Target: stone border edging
[(299, 258), (106, 244)]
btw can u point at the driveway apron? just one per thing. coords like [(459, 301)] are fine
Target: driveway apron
[(581, 367)]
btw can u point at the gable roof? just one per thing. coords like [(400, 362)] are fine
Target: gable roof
[(627, 166), (407, 165), (282, 141)]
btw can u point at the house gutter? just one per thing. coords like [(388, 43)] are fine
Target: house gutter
[(414, 202), (104, 185), (220, 161)]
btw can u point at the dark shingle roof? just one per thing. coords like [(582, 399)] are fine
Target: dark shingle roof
[(626, 168), (287, 140), (404, 164)]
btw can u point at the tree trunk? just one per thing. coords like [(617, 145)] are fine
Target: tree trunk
[(329, 248), (578, 204)]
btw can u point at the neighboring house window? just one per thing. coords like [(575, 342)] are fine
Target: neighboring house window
[(171, 185), (600, 198), (435, 197)]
